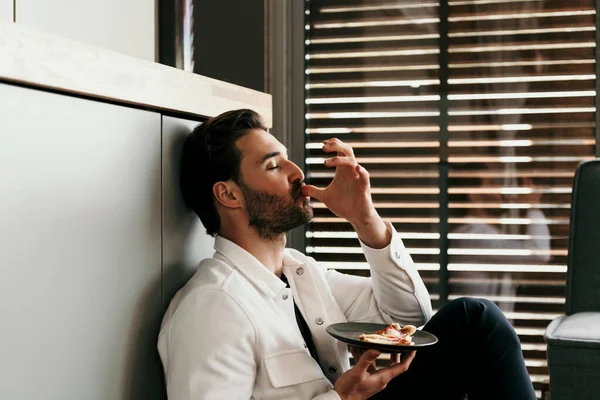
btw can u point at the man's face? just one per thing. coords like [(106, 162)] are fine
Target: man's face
[(271, 185)]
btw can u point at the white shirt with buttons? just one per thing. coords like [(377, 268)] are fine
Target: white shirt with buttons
[(231, 332)]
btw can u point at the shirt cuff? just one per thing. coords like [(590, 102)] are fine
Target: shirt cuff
[(390, 229), (394, 251)]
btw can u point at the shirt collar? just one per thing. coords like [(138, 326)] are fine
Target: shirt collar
[(250, 267)]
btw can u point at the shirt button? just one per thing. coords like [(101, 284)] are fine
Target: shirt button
[(319, 321), (332, 370), (397, 255), (300, 271), (285, 296)]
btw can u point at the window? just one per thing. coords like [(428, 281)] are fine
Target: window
[(471, 116)]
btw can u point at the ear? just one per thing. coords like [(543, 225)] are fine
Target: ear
[(227, 194)]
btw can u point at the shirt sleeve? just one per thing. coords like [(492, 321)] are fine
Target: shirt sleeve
[(212, 357), (395, 291)]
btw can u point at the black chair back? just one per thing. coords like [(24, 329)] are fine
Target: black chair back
[(583, 274)]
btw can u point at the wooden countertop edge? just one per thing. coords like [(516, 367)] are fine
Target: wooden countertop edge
[(51, 62)]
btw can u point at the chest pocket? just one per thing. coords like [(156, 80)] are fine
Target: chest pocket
[(292, 368)]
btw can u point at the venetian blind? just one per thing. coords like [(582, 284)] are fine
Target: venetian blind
[(520, 117)]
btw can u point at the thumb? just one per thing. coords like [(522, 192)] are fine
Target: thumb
[(312, 191), (367, 359), (363, 175)]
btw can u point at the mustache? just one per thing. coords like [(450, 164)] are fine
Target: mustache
[(295, 192)]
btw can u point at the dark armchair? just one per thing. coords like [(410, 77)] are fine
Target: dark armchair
[(574, 338)]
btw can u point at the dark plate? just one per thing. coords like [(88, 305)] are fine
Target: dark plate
[(348, 332)]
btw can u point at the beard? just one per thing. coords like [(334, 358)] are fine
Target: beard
[(273, 215)]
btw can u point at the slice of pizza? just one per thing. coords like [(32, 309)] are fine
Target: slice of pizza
[(394, 334)]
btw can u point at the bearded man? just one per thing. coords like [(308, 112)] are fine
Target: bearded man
[(250, 324)]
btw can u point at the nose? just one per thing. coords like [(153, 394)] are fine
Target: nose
[(295, 173)]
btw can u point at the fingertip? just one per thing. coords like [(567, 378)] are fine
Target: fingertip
[(371, 353), (308, 190), (311, 191)]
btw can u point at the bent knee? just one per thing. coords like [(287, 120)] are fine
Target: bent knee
[(488, 313), (473, 303), (478, 306)]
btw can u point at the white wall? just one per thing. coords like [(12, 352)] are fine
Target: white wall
[(6, 10), (126, 26)]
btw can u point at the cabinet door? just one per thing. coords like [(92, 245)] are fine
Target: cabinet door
[(6, 10), (185, 242), (80, 238)]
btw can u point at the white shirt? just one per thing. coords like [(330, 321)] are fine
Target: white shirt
[(231, 332)]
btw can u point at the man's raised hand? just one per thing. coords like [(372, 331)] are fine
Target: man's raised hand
[(348, 196)]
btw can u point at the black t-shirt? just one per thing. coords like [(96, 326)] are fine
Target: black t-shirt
[(304, 329)]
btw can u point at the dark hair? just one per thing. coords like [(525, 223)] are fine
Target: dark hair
[(210, 156)]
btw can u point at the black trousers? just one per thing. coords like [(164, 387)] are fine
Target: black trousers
[(478, 354)]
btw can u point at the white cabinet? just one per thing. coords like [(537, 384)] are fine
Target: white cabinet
[(6, 10), (125, 26), (80, 248)]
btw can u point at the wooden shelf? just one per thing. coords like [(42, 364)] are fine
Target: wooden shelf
[(51, 62)]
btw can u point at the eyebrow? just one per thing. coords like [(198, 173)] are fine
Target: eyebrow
[(270, 155)]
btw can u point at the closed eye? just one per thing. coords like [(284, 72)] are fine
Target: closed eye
[(274, 167)]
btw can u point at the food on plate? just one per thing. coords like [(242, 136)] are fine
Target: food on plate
[(394, 335)]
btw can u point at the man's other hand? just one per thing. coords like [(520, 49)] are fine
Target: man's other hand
[(359, 384)]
